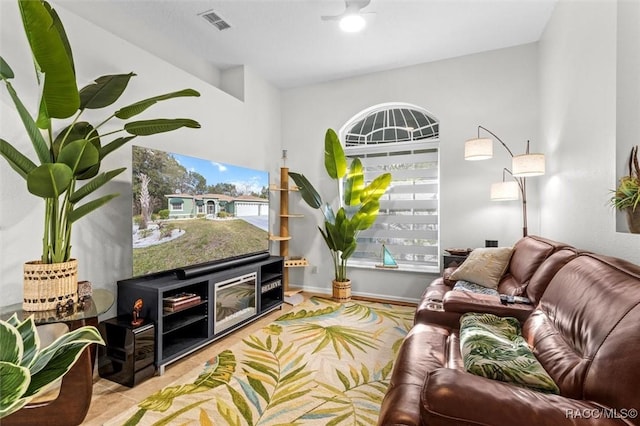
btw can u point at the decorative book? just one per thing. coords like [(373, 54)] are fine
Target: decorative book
[(180, 301)]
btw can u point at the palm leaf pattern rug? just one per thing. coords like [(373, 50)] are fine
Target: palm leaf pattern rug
[(324, 363)]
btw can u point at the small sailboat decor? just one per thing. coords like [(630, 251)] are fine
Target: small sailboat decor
[(388, 262)]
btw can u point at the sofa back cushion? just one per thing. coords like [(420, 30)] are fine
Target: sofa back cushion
[(546, 271), (528, 254), (585, 330)]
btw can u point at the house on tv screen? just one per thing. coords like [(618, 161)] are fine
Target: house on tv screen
[(216, 205)]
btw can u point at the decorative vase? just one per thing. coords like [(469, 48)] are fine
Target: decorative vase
[(633, 220), (48, 285), (342, 291)]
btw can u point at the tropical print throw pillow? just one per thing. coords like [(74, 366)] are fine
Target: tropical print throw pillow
[(493, 347)]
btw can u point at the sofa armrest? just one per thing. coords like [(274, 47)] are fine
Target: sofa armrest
[(446, 276), (459, 398), (463, 302)]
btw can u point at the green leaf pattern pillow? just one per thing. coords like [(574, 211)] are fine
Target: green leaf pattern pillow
[(493, 347)]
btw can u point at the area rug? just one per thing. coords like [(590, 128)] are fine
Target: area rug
[(324, 363)]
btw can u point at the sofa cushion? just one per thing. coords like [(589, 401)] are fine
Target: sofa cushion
[(528, 254), (494, 348), (585, 330), (484, 266), (543, 275), (470, 287)]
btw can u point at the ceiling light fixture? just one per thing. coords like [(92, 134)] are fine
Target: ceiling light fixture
[(352, 23), (352, 19)]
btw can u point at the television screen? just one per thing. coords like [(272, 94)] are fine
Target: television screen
[(190, 211)]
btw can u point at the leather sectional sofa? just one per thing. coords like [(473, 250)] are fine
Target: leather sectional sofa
[(583, 326)]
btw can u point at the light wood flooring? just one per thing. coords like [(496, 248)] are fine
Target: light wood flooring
[(111, 399)]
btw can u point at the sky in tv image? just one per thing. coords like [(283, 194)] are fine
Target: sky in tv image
[(189, 211), (246, 180)]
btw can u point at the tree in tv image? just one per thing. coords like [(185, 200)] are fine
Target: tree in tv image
[(188, 211)]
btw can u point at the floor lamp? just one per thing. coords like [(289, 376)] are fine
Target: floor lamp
[(522, 166)]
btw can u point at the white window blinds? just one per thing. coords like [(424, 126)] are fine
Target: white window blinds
[(408, 220)]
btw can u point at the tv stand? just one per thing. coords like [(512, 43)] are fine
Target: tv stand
[(184, 328)]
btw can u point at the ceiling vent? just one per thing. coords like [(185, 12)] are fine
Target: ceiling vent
[(216, 20)]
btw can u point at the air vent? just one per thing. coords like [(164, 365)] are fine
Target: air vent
[(216, 20)]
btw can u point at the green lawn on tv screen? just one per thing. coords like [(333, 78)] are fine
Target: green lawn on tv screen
[(203, 241)]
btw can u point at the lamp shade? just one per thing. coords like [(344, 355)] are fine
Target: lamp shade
[(505, 191), (478, 149), (527, 165)]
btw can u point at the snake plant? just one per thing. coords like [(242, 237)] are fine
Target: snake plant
[(74, 153), (357, 209), (26, 369)]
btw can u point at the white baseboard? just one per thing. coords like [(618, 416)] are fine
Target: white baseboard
[(326, 292)]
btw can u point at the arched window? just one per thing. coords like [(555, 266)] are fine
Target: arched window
[(401, 139)]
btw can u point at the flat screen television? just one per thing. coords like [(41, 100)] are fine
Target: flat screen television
[(190, 212)]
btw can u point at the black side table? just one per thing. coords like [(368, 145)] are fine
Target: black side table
[(129, 354), (449, 260)]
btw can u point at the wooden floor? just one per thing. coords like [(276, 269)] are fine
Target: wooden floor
[(111, 399)]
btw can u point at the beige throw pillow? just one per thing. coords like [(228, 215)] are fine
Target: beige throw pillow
[(484, 266)]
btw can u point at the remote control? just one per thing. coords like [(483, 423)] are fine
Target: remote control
[(523, 300), (506, 299)]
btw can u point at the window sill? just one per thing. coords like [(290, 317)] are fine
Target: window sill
[(401, 267)]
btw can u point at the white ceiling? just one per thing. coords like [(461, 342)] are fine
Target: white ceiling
[(287, 43)]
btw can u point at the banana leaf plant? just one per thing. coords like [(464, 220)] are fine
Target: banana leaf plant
[(73, 154), (26, 369), (358, 208)]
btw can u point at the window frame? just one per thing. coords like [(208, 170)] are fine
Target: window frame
[(174, 209), (424, 144)]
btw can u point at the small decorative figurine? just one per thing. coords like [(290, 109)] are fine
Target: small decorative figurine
[(65, 309), (388, 262), (137, 307)]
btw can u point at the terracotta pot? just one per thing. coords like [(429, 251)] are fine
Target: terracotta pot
[(633, 220), (342, 291), (47, 285)]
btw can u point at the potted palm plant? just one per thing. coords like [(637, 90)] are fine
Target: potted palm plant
[(357, 209), (70, 157), (627, 195)]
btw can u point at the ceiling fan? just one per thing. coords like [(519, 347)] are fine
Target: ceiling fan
[(352, 19)]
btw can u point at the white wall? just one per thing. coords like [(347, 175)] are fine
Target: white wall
[(244, 133), (578, 126), (497, 89), (627, 90)]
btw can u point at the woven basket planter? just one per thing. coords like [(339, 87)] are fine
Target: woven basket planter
[(342, 291), (46, 285)]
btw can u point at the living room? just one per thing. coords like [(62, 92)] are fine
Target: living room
[(559, 92), (554, 85)]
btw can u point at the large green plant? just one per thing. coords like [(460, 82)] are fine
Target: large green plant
[(357, 209), (26, 369), (75, 152), (627, 194)]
